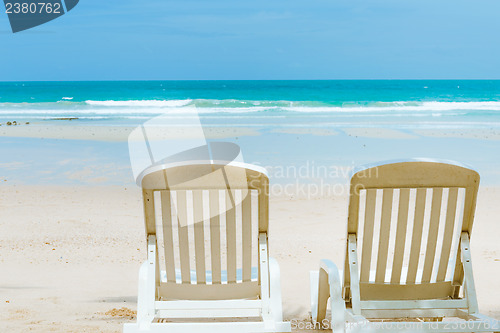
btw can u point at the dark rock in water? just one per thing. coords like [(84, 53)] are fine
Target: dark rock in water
[(9, 123), (69, 118), (27, 123), (14, 122)]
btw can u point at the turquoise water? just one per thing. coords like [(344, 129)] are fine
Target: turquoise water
[(327, 92), (289, 122), (387, 103)]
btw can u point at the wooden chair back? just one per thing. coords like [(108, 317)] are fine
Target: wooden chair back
[(207, 217), (407, 218)]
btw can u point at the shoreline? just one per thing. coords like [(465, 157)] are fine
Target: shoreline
[(119, 133), (85, 154)]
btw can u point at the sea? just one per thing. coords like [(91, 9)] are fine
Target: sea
[(300, 123), (327, 104)]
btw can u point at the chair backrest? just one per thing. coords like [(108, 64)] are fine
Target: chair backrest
[(207, 218), (407, 218)]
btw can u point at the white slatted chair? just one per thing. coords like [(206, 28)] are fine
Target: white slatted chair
[(402, 277), (188, 297)]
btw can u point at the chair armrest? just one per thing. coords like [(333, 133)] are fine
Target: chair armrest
[(327, 284), (470, 288)]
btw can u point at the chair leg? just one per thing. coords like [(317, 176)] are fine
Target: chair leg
[(148, 273), (144, 318), (276, 305)]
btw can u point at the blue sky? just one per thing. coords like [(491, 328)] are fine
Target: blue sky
[(272, 39)]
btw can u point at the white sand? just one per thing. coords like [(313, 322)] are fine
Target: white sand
[(113, 133), (306, 130), (70, 254), (481, 134), (74, 131), (378, 133)]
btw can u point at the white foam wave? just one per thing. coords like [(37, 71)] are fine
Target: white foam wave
[(444, 106), (403, 106), (128, 109), (134, 111), (141, 103)]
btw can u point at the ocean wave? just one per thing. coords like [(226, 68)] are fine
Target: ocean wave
[(234, 107), (140, 103), (402, 106)]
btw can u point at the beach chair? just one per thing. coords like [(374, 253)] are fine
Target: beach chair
[(411, 224), (200, 216)]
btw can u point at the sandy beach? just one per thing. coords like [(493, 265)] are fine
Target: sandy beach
[(70, 255), (66, 130), (71, 223), (108, 133)]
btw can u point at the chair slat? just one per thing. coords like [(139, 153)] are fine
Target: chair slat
[(183, 236), (385, 228), (149, 211), (215, 236), (168, 238), (231, 236), (263, 208), (430, 251), (246, 220), (404, 203), (366, 255), (448, 233), (199, 236), (416, 241), (469, 208)]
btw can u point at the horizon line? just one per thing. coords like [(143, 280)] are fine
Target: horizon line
[(162, 80)]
